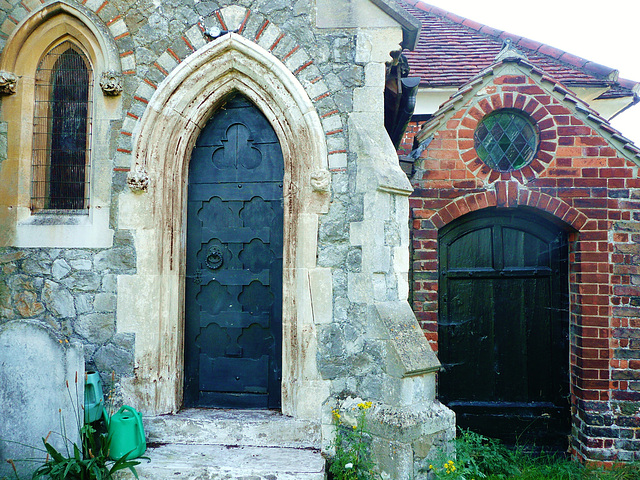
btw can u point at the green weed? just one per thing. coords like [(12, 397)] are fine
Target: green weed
[(478, 457), (352, 459)]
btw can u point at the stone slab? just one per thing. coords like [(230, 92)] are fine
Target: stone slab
[(217, 462), (35, 366), (350, 14), (262, 428), (414, 355)]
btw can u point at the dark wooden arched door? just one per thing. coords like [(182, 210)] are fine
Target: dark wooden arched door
[(233, 292), (503, 326)]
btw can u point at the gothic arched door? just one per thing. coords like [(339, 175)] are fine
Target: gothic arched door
[(233, 292), (503, 326)]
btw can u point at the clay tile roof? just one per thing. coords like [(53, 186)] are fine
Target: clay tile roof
[(452, 49)]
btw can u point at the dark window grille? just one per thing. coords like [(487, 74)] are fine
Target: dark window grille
[(62, 131), (506, 140)]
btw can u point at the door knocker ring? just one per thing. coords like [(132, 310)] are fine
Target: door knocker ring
[(214, 258)]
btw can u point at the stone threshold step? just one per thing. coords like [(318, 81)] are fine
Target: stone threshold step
[(262, 428), (223, 462)]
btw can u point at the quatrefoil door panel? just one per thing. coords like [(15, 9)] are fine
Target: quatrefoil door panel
[(233, 288)]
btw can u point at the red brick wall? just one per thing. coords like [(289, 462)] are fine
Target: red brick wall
[(578, 177), (406, 145)]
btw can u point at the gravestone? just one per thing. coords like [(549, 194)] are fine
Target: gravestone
[(35, 366)]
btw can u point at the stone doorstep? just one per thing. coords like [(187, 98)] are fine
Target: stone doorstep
[(220, 462), (259, 428), (206, 444)]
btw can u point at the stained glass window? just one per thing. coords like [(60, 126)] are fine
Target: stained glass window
[(60, 179), (506, 140)]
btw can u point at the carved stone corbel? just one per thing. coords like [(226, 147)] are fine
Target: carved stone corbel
[(320, 181), (8, 83), (138, 179), (111, 83)]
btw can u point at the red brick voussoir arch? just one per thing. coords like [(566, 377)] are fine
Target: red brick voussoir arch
[(509, 194), (537, 104)]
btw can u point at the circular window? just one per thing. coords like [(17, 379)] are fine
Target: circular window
[(506, 140)]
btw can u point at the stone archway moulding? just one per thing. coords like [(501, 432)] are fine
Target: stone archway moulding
[(61, 18), (150, 303)]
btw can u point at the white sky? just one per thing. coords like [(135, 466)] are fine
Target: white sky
[(603, 31)]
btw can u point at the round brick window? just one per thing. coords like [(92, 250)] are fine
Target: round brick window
[(506, 140)]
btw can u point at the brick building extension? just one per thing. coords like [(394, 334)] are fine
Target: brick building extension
[(581, 179)]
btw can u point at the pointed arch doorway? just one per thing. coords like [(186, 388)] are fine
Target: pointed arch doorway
[(503, 326), (233, 287), (169, 130)]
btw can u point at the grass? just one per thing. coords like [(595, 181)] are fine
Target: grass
[(481, 458), (554, 468)]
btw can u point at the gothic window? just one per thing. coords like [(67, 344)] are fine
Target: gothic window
[(61, 131), (506, 140)]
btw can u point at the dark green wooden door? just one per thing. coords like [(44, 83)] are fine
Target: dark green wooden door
[(233, 310), (503, 326)]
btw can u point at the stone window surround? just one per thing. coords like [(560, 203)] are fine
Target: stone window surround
[(33, 37)]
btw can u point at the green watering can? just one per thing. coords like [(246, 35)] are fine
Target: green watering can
[(126, 434), (93, 398)]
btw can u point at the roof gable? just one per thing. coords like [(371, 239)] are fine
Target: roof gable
[(510, 64)]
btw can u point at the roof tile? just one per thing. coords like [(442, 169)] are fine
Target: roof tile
[(530, 44), (572, 59), (510, 36), (551, 51), (490, 30), (472, 24), (452, 49), (598, 69)]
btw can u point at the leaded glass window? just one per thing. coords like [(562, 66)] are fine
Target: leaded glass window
[(60, 175), (506, 140)]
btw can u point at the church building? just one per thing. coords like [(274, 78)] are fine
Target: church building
[(290, 207)]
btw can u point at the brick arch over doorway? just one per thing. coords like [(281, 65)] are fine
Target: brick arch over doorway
[(509, 194), (169, 128)]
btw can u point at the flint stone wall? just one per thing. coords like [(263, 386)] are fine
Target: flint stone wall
[(74, 293)]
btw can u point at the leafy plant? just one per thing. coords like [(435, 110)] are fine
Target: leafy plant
[(352, 459), (478, 457), (559, 468), (90, 461), (87, 461)]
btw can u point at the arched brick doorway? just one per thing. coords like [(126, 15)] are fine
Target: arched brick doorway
[(503, 325)]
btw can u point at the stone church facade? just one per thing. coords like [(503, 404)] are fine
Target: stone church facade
[(103, 259), (111, 261)]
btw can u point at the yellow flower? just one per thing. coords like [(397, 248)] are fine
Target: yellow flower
[(355, 426)]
